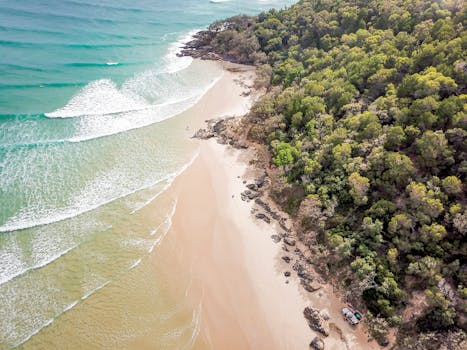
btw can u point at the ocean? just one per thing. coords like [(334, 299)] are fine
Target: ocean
[(90, 93)]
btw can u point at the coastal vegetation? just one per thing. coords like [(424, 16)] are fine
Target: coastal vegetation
[(365, 119)]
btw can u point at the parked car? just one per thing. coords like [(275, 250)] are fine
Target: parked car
[(350, 316)]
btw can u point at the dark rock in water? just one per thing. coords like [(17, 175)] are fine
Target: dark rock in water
[(289, 241), (316, 321), (276, 238), (263, 217), (286, 259), (317, 344), (287, 274)]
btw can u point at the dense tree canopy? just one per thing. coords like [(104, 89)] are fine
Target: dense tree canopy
[(366, 113)]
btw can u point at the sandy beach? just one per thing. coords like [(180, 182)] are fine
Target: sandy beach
[(235, 269), (210, 276)]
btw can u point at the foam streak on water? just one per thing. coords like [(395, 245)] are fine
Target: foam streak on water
[(6, 278), (66, 214)]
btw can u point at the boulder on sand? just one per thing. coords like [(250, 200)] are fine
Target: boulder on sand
[(316, 321), (317, 344)]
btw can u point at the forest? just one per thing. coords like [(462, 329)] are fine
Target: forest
[(365, 120)]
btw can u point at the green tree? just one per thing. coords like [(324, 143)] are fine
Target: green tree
[(434, 150), (452, 185), (285, 154), (359, 186), (395, 138)]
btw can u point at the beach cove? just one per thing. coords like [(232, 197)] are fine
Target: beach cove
[(250, 296), (220, 271)]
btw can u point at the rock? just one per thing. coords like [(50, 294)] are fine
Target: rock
[(325, 314), (287, 274), (268, 209), (252, 187), (303, 274), (253, 195), (260, 181), (276, 238), (263, 217), (317, 344), (310, 286), (289, 241), (248, 194), (286, 259), (203, 134), (316, 321)]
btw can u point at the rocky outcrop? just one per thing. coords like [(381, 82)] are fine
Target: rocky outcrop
[(221, 129), (200, 46), (317, 344), (263, 217), (249, 195), (276, 238), (281, 221), (204, 134), (310, 286), (316, 321), (289, 241)]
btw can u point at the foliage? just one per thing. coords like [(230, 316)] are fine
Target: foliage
[(367, 114)]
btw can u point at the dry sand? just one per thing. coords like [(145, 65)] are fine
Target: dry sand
[(236, 272)]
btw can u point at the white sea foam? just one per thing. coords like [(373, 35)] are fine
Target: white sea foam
[(150, 200), (47, 323), (70, 306), (169, 179), (100, 97), (128, 114), (166, 224), (93, 291), (18, 222), (196, 326), (47, 261), (136, 263), (193, 327), (29, 336), (83, 203), (64, 310), (173, 61)]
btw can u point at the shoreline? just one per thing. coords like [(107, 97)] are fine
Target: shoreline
[(237, 244)]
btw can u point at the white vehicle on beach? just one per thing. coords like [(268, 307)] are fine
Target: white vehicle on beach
[(350, 316)]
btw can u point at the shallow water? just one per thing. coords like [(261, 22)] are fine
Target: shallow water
[(89, 137)]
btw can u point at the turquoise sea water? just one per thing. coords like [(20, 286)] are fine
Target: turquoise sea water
[(89, 93)]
